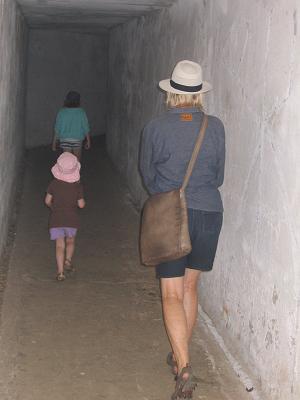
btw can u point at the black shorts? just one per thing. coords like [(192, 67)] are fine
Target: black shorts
[(204, 228)]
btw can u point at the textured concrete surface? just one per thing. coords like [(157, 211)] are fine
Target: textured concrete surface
[(86, 15), (250, 52), (59, 62), (99, 334), (13, 42)]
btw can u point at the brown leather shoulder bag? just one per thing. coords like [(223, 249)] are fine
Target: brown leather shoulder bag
[(164, 234)]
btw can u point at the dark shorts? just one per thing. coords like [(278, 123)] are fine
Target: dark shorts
[(62, 232), (204, 228)]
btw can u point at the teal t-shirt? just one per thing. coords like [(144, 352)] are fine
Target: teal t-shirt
[(71, 123)]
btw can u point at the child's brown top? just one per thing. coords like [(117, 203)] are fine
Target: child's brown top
[(64, 209)]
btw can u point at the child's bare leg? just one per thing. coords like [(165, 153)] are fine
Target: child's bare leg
[(70, 242), (66, 150), (77, 152), (60, 254)]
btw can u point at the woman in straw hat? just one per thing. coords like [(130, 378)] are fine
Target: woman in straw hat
[(166, 148)]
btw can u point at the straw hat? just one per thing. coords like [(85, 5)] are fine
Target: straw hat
[(186, 79), (67, 168)]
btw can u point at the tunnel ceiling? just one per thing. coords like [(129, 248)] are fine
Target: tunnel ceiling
[(86, 15)]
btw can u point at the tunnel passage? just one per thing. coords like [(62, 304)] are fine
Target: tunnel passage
[(115, 52), (69, 48)]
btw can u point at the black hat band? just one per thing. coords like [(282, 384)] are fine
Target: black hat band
[(184, 88)]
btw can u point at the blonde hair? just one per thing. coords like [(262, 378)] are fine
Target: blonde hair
[(184, 100)]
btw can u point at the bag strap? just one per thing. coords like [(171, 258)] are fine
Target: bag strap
[(195, 152)]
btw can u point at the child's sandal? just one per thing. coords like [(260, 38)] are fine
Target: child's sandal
[(185, 385), (60, 277), (68, 266)]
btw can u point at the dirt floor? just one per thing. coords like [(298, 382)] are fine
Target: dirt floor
[(99, 334)]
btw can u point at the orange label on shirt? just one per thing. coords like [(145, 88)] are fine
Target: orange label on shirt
[(186, 117)]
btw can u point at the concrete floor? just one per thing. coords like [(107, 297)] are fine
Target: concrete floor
[(99, 334)]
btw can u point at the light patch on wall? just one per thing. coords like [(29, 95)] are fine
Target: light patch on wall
[(295, 22), (224, 6)]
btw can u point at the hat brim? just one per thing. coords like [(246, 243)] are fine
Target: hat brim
[(165, 85), (70, 178)]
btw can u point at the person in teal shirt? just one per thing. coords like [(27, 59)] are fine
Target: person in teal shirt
[(71, 126)]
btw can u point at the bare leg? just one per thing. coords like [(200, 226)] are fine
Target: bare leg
[(172, 290), (190, 298), (180, 309), (70, 249), (60, 254), (77, 153)]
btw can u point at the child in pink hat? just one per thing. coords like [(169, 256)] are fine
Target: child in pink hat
[(64, 197)]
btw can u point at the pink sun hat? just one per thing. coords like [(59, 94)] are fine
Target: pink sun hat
[(67, 168)]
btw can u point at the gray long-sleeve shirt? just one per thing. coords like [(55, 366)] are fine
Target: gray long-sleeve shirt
[(166, 148)]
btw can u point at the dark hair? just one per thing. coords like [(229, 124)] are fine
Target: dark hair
[(72, 99)]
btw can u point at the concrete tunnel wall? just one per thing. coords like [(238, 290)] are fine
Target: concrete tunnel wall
[(250, 51), (13, 44), (60, 61)]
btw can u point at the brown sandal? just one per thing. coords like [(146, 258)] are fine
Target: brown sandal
[(60, 277), (185, 385), (69, 267), (172, 363)]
